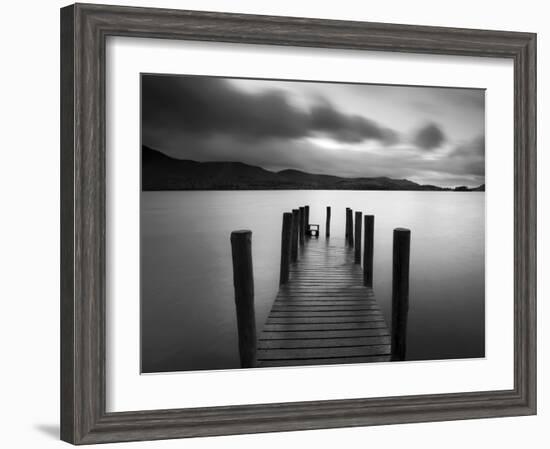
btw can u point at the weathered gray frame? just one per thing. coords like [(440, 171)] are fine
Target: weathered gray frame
[(84, 29)]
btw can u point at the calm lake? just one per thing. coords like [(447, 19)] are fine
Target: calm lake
[(188, 314)]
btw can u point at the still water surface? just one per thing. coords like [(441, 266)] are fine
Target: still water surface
[(188, 314)]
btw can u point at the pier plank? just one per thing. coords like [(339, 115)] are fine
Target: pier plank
[(324, 326), (292, 335), (323, 313), (323, 342), (326, 319), (324, 361), (324, 352)]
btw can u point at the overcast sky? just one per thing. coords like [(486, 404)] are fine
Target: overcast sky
[(426, 134)]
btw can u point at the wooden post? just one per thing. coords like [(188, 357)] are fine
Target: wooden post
[(368, 250), (243, 282), (349, 222), (306, 208), (358, 225), (295, 235), (327, 226), (286, 238), (302, 225), (400, 292)]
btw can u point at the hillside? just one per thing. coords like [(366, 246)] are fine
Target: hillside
[(161, 172)]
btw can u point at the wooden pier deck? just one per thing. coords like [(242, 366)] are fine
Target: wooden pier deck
[(324, 314)]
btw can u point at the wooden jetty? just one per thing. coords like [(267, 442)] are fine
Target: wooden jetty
[(325, 311), (324, 314)]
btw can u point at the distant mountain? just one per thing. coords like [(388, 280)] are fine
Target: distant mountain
[(162, 172), (481, 188)]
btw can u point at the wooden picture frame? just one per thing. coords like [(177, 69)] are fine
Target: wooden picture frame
[(84, 29)]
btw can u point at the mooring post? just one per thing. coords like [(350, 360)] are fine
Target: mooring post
[(358, 225), (349, 222), (368, 250), (286, 238), (400, 292), (302, 225), (243, 282), (327, 226), (295, 235), (306, 208)]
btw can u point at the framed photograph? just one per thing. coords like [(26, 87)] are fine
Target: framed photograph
[(275, 223)]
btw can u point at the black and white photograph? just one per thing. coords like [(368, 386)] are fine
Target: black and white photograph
[(295, 222)]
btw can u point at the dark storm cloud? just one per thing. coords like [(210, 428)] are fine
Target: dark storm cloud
[(347, 128), (209, 105), (429, 137), (173, 106)]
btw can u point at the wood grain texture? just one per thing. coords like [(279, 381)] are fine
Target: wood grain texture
[(83, 32), (68, 316)]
